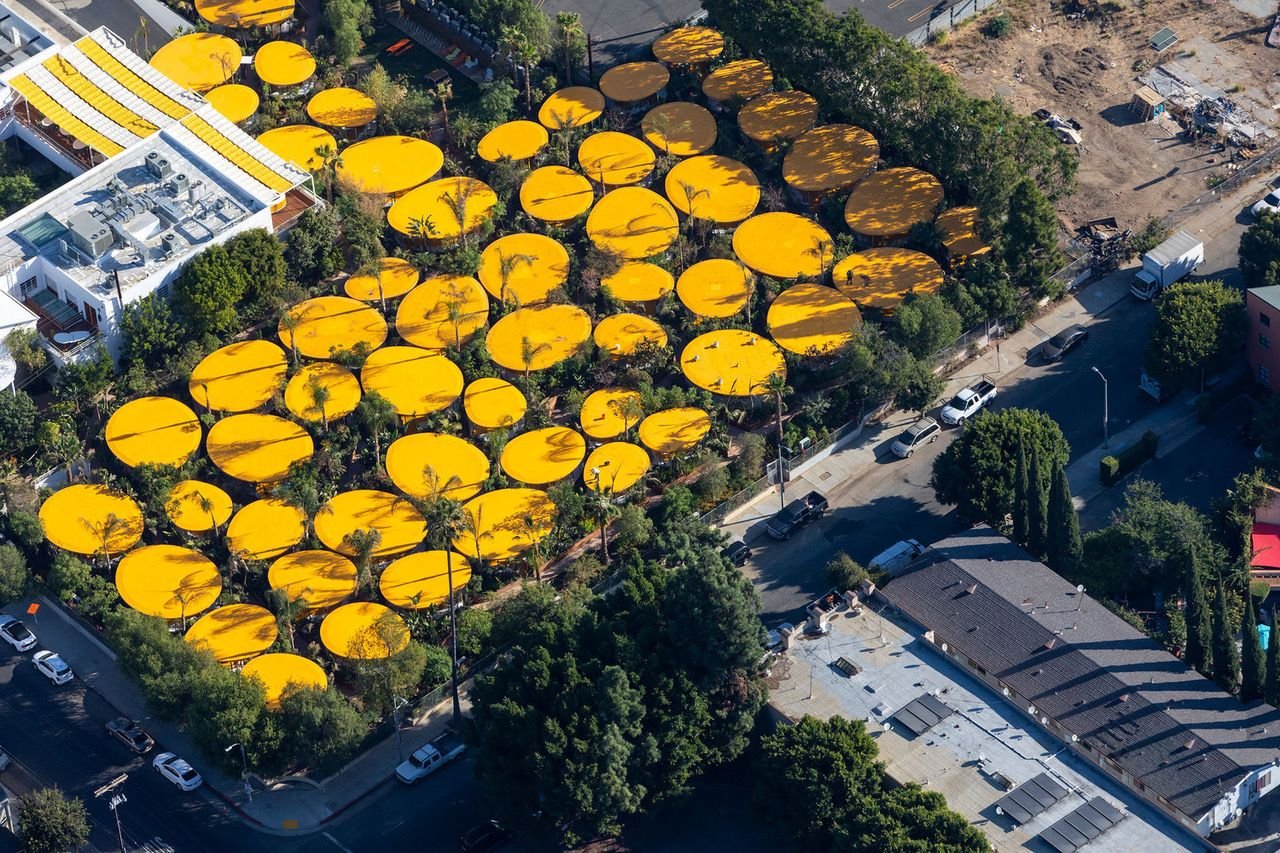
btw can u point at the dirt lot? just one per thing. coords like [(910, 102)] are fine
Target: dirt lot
[(1085, 69)]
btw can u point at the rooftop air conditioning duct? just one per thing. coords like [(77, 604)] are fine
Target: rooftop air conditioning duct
[(180, 184)]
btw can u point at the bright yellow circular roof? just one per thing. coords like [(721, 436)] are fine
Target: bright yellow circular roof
[(424, 316), (889, 202), (615, 159), (620, 335), (602, 413), (155, 430), (491, 403), (425, 465), (322, 579), (395, 278), (278, 672), (389, 165), (236, 102), (185, 506), (168, 581), (342, 107), (556, 194), (518, 140), (689, 46), (507, 522), (713, 187), (742, 78), (615, 467), (234, 632), (83, 518), (634, 81), (284, 64), (879, 278), (552, 332), (536, 267), (325, 325), (198, 61), (421, 580), (673, 430), (364, 630), (543, 456), (257, 448), (298, 144), (341, 384), (416, 382), (717, 287), (679, 128), (783, 245), (402, 527), (573, 106), (634, 222), (239, 377), (959, 226), (830, 157), (778, 115), (266, 529), (732, 362), (430, 211), (245, 13), (811, 318), (639, 281)]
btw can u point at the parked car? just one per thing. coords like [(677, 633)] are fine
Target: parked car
[(5, 760), (737, 553), (1269, 203), (177, 771), (968, 402), (52, 667), (922, 432), (130, 734), (489, 835), (773, 636), (897, 556), (429, 758), (796, 514), (16, 634), (1063, 342)]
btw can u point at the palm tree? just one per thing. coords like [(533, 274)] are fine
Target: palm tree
[(206, 506), (691, 195), (453, 309), (606, 510), (517, 45), (821, 250), (106, 532), (320, 396), (776, 384), (458, 203), (443, 92), (362, 544), (290, 322), (506, 266), (375, 413), (287, 610), (528, 352), (447, 519), (568, 32), (330, 162), (631, 409), (532, 531)]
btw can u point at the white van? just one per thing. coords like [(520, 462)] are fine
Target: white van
[(896, 557)]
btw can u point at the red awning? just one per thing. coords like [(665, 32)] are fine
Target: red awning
[(1266, 545)]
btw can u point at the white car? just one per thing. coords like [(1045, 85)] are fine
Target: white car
[(52, 667), (16, 634), (177, 771), (1270, 203)]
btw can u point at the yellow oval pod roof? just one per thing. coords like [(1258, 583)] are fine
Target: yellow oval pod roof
[(431, 208), (889, 202), (552, 332), (535, 267), (879, 278), (188, 511), (634, 222), (325, 325), (732, 362), (284, 64), (688, 46), (621, 335), (491, 402), (811, 319), (573, 106), (416, 382), (959, 227), (86, 518), (395, 278), (778, 115), (238, 377), (401, 526), (198, 61), (603, 413), (556, 194), (321, 579), (153, 430), (298, 143), (713, 187), (245, 13), (421, 580), (543, 456), (341, 386), (364, 630), (342, 107), (679, 128), (717, 287), (168, 581), (235, 632), (444, 311), (674, 430), (257, 448), (430, 465), (783, 245), (634, 81), (639, 281), (389, 165), (507, 522), (266, 529), (615, 467), (830, 157), (280, 672), (236, 102), (615, 159), (518, 140), (742, 78)]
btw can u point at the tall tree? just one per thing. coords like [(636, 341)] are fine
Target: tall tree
[(1037, 506), (1021, 486), (776, 385), (925, 325), (1031, 238), (1199, 328), (1226, 656), (1260, 250), (1273, 661), (52, 823), (1199, 653), (208, 291), (1063, 546), (1253, 665)]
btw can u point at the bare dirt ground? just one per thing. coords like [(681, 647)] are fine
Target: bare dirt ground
[(1088, 70)]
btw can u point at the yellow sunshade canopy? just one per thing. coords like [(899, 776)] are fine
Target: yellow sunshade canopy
[(153, 430), (615, 159), (634, 81), (257, 448), (615, 467), (517, 140), (239, 377), (389, 165), (959, 227), (639, 281), (168, 581), (321, 579), (713, 187), (235, 632), (198, 61), (245, 13), (621, 335), (364, 630), (879, 278), (431, 211), (342, 107), (830, 157), (322, 391), (811, 319), (416, 382), (783, 245), (298, 143), (197, 507), (421, 580), (556, 194), (491, 403), (571, 107), (444, 311), (395, 278), (543, 456), (326, 325), (674, 430), (430, 465), (607, 413), (634, 222), (546, 334), (717, 287), (235, 101), (774, 116), (732, 362), (85, 519), (523, 269), (400, 525), (688, 46), (742, 78), (889, 202), (679, 128), (284, 64), (279, 673), (266, 529), (506, 523)]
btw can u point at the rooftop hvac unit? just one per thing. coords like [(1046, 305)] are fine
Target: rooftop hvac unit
[(159, 165), (89, 235), (169, 244), (196, 193), (180, 184)]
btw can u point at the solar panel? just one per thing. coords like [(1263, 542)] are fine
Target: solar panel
[(1031, 798), (1163, 40), (922, 713), (1082, 826)]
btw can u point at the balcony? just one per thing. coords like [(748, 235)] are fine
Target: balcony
[(63, 327)]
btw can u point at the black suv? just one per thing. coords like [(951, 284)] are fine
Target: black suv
[(489, 835), (737, 553), (796, 514)]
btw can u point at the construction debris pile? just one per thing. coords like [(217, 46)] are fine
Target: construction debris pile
[(1202, 109)]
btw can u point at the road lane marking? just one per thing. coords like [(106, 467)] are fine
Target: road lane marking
[(337, 843)]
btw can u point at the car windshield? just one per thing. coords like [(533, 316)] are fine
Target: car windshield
[(958, 402), (1272, 199)]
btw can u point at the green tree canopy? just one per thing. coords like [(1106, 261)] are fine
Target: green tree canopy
[(152, 334), (18, 414), (1199, 328), (260, 257), (1063, 547), (347, 23), (311, 251), (208, 290), (1260, 250), (925, 324), (322, 729), (1031, 239), (51, 822)]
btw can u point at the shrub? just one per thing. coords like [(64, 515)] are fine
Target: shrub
[(843, 572), (1115, 467), (14, 576), (1000, 26)]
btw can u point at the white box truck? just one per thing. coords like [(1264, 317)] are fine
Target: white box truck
[(1170, 262)]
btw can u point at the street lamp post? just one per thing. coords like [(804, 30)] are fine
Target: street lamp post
[(1106, 408), (244, 769), (396, 704)]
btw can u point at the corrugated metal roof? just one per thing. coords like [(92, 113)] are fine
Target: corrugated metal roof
[(1174, 248)]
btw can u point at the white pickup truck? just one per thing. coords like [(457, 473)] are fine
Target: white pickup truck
[(429, 758), (966, 403)]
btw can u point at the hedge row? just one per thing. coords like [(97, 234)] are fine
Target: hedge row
[(1115, 467)]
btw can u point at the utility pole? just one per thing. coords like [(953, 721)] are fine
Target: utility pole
[(396, 704), (1106, 408), (116, 801), (244, 770)]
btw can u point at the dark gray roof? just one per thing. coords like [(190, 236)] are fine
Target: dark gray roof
[(1083, 666), (1270, 295)]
